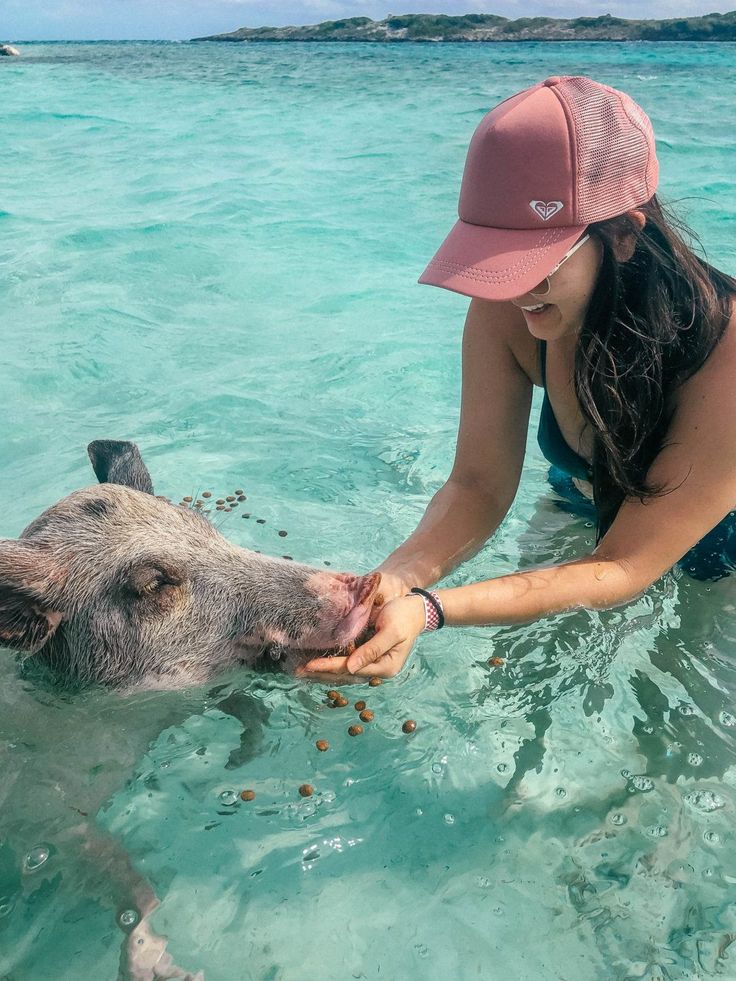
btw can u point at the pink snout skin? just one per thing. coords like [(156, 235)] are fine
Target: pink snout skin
[(348, 600)]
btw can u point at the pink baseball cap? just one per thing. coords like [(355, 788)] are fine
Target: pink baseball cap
[(541, 166)]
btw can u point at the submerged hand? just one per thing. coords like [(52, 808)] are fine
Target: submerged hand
[(397, 625)]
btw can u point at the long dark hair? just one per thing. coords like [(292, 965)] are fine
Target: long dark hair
[(651, 323)]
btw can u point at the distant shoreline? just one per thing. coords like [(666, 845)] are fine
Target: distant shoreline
[(485, 28)]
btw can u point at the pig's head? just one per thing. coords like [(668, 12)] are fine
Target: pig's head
[(116, 586)]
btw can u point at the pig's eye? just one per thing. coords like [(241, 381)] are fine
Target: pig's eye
[(151, 581)]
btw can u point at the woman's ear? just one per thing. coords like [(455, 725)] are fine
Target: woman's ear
[(625, 241)]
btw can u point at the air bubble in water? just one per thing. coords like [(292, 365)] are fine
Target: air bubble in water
[(708, 873), (561, 792), (657, 831), (436, 768), (686, 709), (128, 918), (641, 784), (449, 819), (694, 759), (5, 908), (502, 767), (626, 774), (228, 798), (712, 837), (647, 729), (618, 819), (35, 858), (704, 800), (482, 881), (726, 719)]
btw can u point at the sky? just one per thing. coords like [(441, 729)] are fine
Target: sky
[(182, 19)]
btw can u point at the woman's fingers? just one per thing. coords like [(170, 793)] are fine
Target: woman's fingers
[(380, 643)]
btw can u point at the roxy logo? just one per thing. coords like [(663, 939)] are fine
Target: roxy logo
[(546, 209)]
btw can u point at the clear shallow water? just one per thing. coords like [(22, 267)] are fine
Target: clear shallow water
[(213, 250)]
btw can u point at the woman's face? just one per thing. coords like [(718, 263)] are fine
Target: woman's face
[(570, 291)]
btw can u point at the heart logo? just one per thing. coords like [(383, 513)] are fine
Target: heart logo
[(546, 209)]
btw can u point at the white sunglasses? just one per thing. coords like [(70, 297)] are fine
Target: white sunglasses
[(565, 257)]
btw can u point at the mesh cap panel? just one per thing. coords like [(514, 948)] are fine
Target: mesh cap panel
[(617, 167)]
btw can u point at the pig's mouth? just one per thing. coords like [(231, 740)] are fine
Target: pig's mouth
[(340, 639)]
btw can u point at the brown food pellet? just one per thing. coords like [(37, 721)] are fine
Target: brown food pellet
[(206, 493), (355, 730), (322, 745), (366, 715), (242, 497), (220, 507), (260, 521), (350, 647), (374, 682), (234, 504), (409, 726), (229, 498), (379, 600), (333, 694), (340, 702), (289, 557), (495, 662), (227, 510), (220, 500), (198, 505), (327, 563), (239, 492), (246, 515), (247, 795), (188, 499), (306, 790), (359, 706), (282, 533)]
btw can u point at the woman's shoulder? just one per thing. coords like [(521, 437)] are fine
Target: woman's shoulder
[(716, 379), (509, 327)]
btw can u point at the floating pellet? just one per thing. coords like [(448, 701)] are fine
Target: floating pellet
[(242, 497), (198, 505), (340, 702), (366, 715), (322, 745), (246, 515), (409, 726), (188, 499), (355, 731), (220, 507), (333, 694), (327, 563), (240, 492), (234, 504), (495, 662), (247, 795), (289, 557), (378, 599), (374, 682), (206, 493), (229, 498), (282, 533), (227, 510), (260, 521), (359, 706), (306, 790), (220, 500)]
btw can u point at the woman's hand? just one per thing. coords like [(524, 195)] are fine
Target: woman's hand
[(390, 588), (398, 624)]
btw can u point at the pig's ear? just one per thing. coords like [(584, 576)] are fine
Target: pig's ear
[(116, 461), (29, 578)]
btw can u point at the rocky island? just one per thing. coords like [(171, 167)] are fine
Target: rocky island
[(490, 27)]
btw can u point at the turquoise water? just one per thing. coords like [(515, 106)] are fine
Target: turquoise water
[(213, 250)]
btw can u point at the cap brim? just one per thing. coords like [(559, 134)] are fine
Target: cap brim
[(497, 263)]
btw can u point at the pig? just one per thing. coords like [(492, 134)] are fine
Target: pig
[(115, 586)]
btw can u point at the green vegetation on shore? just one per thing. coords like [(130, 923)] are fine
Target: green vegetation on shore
[(490, 27)]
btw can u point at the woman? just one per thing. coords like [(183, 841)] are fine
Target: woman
[(579, 283)]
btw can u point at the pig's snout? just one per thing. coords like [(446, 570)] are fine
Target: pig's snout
[(346, 601)]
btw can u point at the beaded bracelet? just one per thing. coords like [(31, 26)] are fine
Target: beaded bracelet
[(434, 614)]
